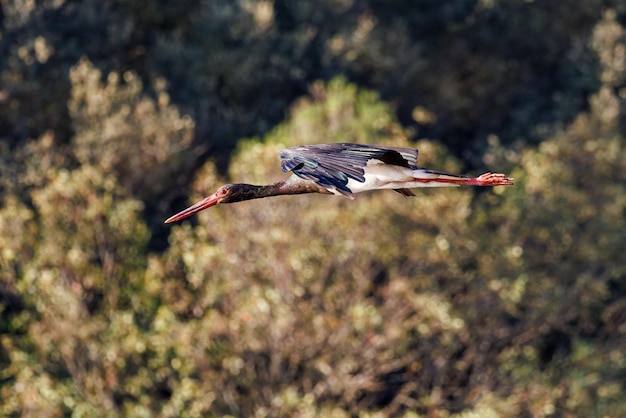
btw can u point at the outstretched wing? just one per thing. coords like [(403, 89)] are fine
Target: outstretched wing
[(331, 165)]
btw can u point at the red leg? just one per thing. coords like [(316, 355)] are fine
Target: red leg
[(487, 179), (491, 179)]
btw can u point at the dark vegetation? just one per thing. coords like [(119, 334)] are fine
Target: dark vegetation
[(504, 302)]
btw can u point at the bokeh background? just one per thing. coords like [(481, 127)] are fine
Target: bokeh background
[(456, 303)]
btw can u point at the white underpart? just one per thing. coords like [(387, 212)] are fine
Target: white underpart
[(383, 176)]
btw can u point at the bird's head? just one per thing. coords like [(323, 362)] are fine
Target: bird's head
[(225, 194)]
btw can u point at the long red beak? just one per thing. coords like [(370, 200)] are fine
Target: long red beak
[(205, 203)]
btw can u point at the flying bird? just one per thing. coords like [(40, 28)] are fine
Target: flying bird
[(344, 169)]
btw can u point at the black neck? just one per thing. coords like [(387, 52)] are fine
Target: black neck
[(293, 185)]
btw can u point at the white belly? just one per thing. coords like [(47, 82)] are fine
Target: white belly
[(381, 176)]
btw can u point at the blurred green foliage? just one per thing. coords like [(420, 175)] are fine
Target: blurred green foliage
[(455, 303)]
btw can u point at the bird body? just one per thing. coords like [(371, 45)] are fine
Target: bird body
[(344, 169)]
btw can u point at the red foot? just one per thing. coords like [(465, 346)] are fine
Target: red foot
[(493, 179)]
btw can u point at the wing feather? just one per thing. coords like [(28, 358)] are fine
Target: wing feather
[(331, 165)]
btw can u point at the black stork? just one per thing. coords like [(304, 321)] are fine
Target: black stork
[(344, 169)]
